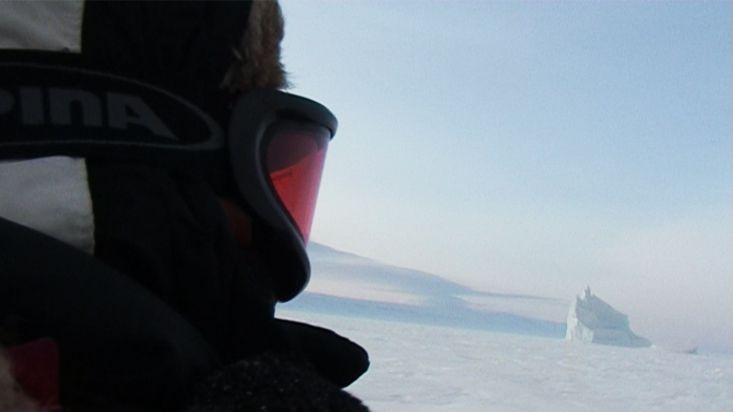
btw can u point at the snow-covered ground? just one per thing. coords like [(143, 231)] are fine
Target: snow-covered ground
[(418, 367), (446, 353)]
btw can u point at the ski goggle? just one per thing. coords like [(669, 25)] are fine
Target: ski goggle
[(277, 146)]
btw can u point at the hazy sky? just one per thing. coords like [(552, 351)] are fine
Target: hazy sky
[(533, 147)]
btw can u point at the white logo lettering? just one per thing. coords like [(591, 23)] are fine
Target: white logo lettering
[(67, 107)]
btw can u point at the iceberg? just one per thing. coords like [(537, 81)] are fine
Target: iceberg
[(591, 320)]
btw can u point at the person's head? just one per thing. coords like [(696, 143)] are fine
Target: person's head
[(185, 83)]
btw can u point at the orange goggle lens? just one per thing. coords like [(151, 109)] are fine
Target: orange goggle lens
[(294, 164)]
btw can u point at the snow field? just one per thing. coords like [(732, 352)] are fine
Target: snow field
[(429, 368)]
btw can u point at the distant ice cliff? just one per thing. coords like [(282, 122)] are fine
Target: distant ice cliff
[(592, 320)]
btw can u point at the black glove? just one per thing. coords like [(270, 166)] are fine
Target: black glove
[(334, 357)]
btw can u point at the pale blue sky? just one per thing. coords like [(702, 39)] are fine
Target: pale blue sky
[(533, 147)]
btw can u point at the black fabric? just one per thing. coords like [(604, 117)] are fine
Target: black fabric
[(271, 382), (166, 230), (182, 46), (169, 299), (117, 341)]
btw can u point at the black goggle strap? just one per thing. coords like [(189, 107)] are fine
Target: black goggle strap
[(54, 108)]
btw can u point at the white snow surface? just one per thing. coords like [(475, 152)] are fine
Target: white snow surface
[(430, 368), (591, 320)]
